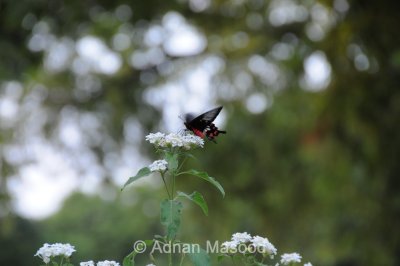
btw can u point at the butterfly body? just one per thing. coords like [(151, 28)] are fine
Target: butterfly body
[(203, 125)]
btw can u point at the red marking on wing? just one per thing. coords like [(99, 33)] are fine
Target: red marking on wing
[(198, 133)]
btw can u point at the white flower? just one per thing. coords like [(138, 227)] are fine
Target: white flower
[(289, 258), (308, 264), (241, 237), (151, 264), (186, 141), (155, 138), (107, 263), (87, 263), (65, 250), (53, 250), (263, 245), (159, 165), (174, 140), (190, 140), (230, 244)]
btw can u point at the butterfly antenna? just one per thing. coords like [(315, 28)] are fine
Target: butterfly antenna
[(182, 131)]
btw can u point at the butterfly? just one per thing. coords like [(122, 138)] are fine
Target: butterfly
[(203, 125)]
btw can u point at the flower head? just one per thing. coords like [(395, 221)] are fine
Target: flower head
[(107, 263), (155, 138), (241, 237), (263, 245), (308, 264), (159, 165), (174, 140), (186, 141), (87, 263), (290, 258), (53, 250), (230, 246), (190, 140)]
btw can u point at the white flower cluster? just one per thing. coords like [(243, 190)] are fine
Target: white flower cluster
[(263, 244), (107, 263), (100, 263), (241, 237), (159, 165), (186, 141), (87, 263), (244, 242), (288, 258), (54, 250)]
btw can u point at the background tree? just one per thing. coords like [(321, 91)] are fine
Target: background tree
[(311, 101)]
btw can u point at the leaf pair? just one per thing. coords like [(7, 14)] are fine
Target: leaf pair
[(145, 171)]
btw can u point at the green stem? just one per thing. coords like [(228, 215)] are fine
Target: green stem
[(183, 257), (165, 184), (233, 261), (179, 168), (173, 185), (170, 255), (174, 175)]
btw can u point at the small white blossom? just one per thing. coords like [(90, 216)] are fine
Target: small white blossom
[(87, 263), (190, 140), (241, 237), (53, 250), (263, 245), (107, 263), (174, 140), (186, 141), (308, 264), (230, 246), (290, 258), (151, 264), (155, 138), (159, 165)]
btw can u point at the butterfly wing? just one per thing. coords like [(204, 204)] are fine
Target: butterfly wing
[(203, 125), (202, 121)]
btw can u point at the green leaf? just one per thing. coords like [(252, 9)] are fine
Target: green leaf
[(197, 198), (149, 243), (145, 171), (129, 260), (200, 258), (172, 159), (206, 177), (171, 216)]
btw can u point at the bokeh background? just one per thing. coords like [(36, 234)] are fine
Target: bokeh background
[(311, 100)]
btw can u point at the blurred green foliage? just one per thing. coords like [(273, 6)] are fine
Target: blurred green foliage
[(316, 172)]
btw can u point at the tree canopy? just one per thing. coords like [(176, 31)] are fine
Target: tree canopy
[(311, 108)]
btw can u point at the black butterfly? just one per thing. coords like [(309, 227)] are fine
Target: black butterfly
[(203, 125)]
